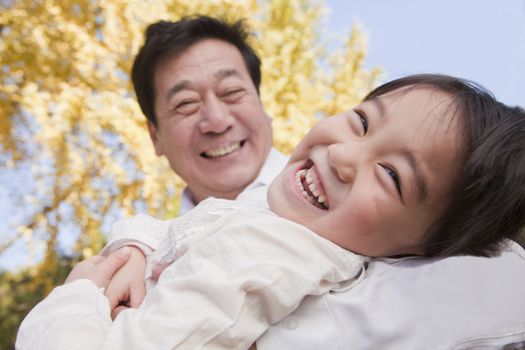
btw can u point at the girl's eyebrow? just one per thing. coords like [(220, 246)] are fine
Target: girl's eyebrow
[(419, 177), (379, 105)]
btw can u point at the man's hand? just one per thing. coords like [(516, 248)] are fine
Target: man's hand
[(99, 269), (127, 287)]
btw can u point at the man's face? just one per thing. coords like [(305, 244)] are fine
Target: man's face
[(375, 178), (211, 125)]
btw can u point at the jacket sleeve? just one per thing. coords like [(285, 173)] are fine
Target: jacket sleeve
[(142, 231), (73, 316)]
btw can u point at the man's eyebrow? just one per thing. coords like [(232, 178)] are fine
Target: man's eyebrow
[(181, 85), (421, 183), (219, 75), (226, 72)]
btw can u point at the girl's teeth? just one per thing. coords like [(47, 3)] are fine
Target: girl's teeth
[(306, 174), (298, 176)]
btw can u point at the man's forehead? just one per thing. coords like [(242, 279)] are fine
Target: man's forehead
[(173, 70), (203, 51)]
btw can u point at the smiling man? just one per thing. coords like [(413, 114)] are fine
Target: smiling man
[(197, 82)]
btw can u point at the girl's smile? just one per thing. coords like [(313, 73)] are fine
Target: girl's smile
[(374, 179)]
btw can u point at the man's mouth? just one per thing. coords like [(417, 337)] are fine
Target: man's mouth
[(223, 150), (309, 184)]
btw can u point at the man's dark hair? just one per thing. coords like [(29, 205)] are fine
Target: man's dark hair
[(166, 38), (489, 202)]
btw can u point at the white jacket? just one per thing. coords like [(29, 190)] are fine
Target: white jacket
[(460, 302), (239, 268)]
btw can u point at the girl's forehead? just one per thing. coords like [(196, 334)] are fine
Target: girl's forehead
[(423, 119), (416, 103), (415, 94)]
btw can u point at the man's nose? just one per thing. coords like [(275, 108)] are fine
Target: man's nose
[(344, 160), (216, 117)]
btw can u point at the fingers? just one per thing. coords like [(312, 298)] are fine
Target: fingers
[(83, 269), (99, 269), (117, 310), (137, 295), (113, 296), (95, 260), (112, 263)]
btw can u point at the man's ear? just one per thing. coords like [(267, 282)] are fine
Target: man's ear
[(155, 139), (268, 118)]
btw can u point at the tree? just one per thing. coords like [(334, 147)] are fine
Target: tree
[(69, 118)]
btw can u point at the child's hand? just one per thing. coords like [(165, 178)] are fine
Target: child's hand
[(127, 287), (99, 269)]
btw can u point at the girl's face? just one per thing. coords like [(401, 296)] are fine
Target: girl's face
[(375, 178)]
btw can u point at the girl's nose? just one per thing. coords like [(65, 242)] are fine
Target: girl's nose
[(344, 161)]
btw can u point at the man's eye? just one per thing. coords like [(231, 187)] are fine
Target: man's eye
[(233, 94), (364, 121), (186, 105), (392, 173)]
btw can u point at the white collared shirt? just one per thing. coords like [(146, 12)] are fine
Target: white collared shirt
[(273, 165)]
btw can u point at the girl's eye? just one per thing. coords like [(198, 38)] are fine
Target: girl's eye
[(395, 178), (364, 121)]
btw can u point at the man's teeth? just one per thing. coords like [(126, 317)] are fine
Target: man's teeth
[(306, 174), (222, 151)]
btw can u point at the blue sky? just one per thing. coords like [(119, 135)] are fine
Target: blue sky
[(482, 40)]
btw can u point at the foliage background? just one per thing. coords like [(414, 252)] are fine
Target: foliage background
[(69, 119)]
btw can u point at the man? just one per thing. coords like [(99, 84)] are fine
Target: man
[(197, 83), (201, 98)]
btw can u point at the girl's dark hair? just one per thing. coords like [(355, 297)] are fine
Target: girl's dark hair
[(165, 38), (489, 204)]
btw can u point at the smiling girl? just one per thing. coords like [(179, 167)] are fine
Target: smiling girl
[(416, 169)]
